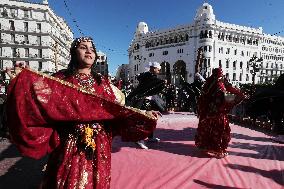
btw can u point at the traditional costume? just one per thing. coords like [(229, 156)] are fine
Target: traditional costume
[(217, 99), (74, 119)]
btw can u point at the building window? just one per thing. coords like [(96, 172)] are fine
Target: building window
[(220, 64), (234, 65), (241, 65), (13, 12), (26, 26), (234, 76), (241, 75), (26, 13), (136, 46), (26, 39), (180, 51), (0, 51), (227, 76), (205, 63), (39, 66), (208, 48), (14, 52), (27, 52), (12, 25), (151, 54), (13, 39), (165, 52), (1, 64), (39, 53), (39, 40), (227, 63), (228, 51), (5, 12), (186, 37), (38, 27), (210, 34), (205, 48), (247, 77)]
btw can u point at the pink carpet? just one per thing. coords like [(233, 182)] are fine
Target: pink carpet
[(254, 162)]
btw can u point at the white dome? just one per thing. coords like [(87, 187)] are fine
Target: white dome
[(142, 28), (205, 12), (45, 2)]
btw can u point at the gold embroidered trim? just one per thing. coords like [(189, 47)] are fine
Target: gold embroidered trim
[(71, 85)]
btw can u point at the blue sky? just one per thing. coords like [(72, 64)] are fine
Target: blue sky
[(112, 23)]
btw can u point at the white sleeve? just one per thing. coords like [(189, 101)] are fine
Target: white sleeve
[(119, 96)]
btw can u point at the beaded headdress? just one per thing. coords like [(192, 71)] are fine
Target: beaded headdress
[(78, 40)]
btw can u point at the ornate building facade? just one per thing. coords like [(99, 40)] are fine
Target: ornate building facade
[(245, 54)]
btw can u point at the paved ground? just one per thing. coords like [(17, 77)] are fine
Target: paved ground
[(17, 171)]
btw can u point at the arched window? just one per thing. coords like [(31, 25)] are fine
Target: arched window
[(206, 34), (210, 34), (186, 37), (175, 39)]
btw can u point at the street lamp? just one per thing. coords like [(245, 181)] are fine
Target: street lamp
[(254, 63)]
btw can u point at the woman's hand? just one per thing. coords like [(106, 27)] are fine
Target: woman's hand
[(13, 72), (156, 114)]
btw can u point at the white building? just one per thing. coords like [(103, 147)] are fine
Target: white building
[(33, 33), (123, 73), (102, 64), (224, 45)]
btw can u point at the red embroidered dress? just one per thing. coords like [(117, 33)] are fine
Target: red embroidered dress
[(76, 124), (213, 132)]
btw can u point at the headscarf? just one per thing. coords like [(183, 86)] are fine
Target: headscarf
[(212, 82), (210, 90)]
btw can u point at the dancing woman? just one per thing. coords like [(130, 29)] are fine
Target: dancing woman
[(73, 116), (217, 99)]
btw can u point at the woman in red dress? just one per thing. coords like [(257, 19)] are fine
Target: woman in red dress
[(217, 99), (73, 116)]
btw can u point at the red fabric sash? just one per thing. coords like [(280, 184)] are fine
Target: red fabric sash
[(37, 102)]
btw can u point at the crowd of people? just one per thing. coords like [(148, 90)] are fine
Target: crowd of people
[(74, 114)]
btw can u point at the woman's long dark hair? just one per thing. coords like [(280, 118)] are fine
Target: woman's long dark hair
[(73, 64)]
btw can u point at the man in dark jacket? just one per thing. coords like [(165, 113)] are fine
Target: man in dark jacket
[(145, 97)]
